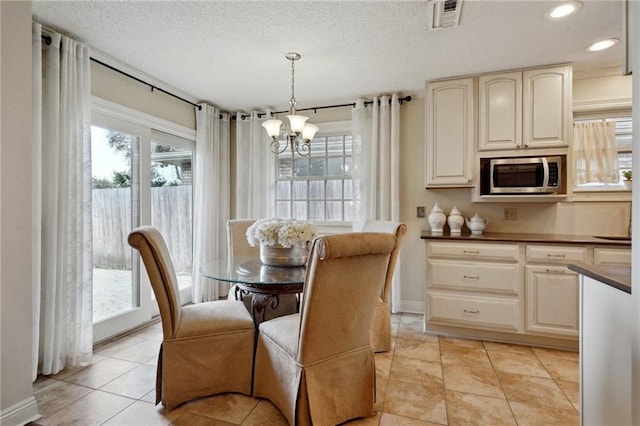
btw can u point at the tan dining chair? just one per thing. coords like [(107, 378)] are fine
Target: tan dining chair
[(381, 334), (317, 366), (238, 246), (207, 348)]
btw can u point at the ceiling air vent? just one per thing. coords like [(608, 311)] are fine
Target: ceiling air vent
[(444, 13)]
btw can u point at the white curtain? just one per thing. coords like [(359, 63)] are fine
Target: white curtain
[(63, 244), (376, 171), (594, 152), (211, 198), (254, 169)]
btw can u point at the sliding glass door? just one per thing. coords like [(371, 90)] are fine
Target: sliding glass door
[(140, 177)]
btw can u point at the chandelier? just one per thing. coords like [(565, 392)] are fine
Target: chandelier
[(299, 134)]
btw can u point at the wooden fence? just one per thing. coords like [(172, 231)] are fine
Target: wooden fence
[(171, 214)]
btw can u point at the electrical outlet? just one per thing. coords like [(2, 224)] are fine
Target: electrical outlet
[(509, 213), (420, 211)]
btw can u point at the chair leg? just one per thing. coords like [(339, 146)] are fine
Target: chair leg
[(159, 377)]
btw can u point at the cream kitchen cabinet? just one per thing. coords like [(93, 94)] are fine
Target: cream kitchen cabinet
[(508, 289), (474, 285), (552, 290), (525, 109), (450, 133)]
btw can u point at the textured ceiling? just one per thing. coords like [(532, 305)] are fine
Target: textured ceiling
[(231, 53)]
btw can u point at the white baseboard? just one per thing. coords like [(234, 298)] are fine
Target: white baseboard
[(20, 413), (411, 307)]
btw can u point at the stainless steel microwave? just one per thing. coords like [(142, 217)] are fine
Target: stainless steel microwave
[(525, 175)]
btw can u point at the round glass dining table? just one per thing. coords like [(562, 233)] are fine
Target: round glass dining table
[(265, 283)]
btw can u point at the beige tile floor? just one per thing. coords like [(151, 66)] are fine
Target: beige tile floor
[(425, 380)]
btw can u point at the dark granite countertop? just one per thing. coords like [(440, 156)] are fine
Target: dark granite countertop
[(523, 237), (615, 276)]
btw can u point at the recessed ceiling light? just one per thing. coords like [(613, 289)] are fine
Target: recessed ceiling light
[(601, 45), (563, 10)]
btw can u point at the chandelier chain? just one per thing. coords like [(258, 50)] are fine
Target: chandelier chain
[(292, 101)]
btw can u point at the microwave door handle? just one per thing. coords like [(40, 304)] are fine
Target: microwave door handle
[(545, 179)]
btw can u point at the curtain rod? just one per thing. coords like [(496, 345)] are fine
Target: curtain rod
[(353, 105), (47, 40)]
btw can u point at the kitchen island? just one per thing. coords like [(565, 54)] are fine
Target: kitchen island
[(605, 344)]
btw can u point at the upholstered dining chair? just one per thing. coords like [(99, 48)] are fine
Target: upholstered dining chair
[(207, 348), (381, 334), (317, 366), (238, 246)]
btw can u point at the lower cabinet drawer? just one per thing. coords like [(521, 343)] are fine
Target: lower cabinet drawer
[(481, 276), (474, 311), (615, 257)]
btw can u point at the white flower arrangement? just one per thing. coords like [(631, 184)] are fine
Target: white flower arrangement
[(285, 232)]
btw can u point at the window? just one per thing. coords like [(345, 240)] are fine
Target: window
[(624, 145), (318, 187)]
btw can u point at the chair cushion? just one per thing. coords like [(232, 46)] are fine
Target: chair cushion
[(216, 317), (284, 331)]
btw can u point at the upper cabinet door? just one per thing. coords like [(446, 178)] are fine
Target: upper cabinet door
[(547, 112), (450, 132), (500, 111)]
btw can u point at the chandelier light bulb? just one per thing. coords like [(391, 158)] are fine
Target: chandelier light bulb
[(272, 127), (296, 122), (309, 131)]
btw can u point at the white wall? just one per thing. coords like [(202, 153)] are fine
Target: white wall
[(119, 88), (16, 394)]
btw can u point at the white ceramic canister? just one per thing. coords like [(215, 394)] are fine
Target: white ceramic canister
[(477, 224), (455, 220), (437, 219)]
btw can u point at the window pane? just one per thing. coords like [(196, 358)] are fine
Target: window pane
[(334, 210), (115, 213), (624, 161), (348, 143), (301, 167), (318, 147), (171, 202), (299, 210), (334, 189), (335, 145), (316, 210), (282, 209), (316, 190), (348, 165), (348, 192), (335, 167), (300, 190), (285, 167), (348, 210), (283, 190), (318, 167)]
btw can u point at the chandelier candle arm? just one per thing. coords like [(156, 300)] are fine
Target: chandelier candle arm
[(300, 133)]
